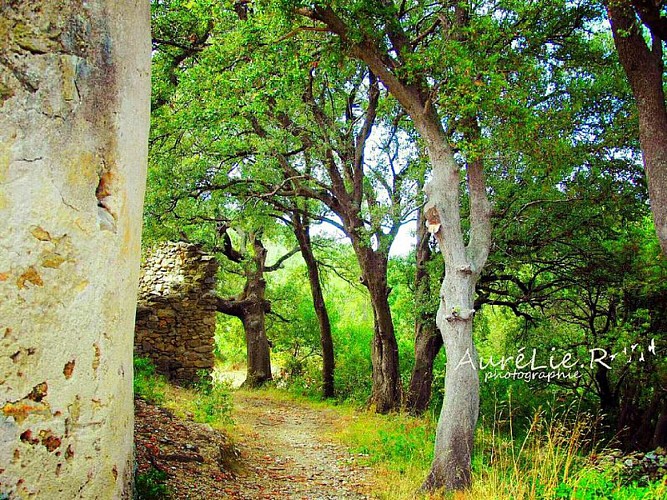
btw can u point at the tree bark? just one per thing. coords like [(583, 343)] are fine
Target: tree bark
[(451, 467), (608, 400), (259, 352), (387, 390), (428, 343), (74, 120), (428, 340), (302, 233), (660, 433), (644, 68), (251, 308), (259, 357), (384, 353)]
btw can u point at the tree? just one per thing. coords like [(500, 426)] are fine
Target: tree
[(428, 340), (463, 261), (644, 66), (458, 71), (323, 159), (251, 305), (74, 100), (301, 227)]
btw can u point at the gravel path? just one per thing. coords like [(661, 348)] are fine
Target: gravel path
[(277, 450), (285, 455)]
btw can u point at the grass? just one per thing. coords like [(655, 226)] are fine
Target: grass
[(148, 384), (548, 461), (208, 401)]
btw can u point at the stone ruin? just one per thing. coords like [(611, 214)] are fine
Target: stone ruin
[(175, 323)]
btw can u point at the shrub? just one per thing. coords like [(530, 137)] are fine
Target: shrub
[(148, 384), (213, 403), (151, 485)]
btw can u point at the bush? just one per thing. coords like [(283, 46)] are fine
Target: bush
[(148, 384), (151, 485), (213, 403)]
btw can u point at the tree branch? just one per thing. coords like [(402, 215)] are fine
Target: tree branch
[(277, 265)]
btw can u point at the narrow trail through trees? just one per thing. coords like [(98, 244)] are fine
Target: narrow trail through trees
[(277, 449), (285, 454)]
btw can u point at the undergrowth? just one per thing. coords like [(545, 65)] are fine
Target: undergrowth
[(148, 384), (213, 401), (548, 462), (207, 401), (151, 485), (551, 459)]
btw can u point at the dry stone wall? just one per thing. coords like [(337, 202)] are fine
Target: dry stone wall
[(74, 111), (175, 324)]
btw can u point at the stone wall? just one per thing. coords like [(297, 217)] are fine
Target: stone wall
[(74, 111), (175, 324)]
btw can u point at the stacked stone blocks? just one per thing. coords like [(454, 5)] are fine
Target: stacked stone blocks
[(176, 310)]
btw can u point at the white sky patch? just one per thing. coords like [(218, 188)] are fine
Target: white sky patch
[(402, 246)]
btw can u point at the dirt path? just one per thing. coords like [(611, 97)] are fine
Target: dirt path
[(277, 450), (284, 455)]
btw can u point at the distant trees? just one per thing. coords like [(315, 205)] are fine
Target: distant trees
[(508, 113)]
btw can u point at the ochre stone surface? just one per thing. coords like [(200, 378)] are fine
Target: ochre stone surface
[(175, 324), (74, 110)]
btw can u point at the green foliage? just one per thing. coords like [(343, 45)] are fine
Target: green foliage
[(213, 401), (151, 485), (229, 347), (394, 441), (575, 264), (148, 384)]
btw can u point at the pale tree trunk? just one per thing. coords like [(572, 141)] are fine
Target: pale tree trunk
[(463, 263), (451, 466), (74, 119), (644, 68)]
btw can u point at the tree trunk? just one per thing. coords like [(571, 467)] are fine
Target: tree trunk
[(660, 433), (254, 324), (428, 340), (302, 234), (384, 356), (257, 344), (384, 351), (451, 466), (74, 120), (608, 401), (644, 69), (428, 343), (251, 308)]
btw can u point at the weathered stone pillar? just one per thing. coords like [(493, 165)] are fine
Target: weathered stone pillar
[(175, 324), (74, 110)]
